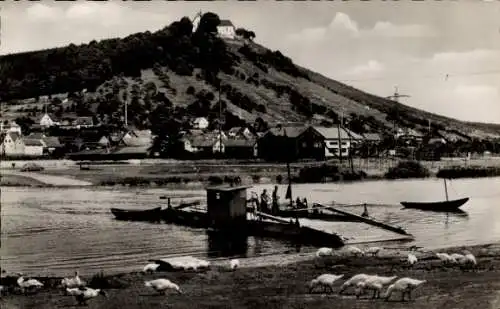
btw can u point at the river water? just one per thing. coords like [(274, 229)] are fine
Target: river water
[(55, 231)]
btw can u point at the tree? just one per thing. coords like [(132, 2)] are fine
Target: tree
[(208, 23)]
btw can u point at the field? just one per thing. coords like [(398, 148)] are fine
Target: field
[(284, 285)]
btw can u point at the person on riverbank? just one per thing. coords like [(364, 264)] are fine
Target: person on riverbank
[(264, 201)]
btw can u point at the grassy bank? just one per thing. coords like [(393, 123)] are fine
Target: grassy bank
[(20, 181), (284, 285)]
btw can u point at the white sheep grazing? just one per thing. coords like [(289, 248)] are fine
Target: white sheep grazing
[(353, 281), (28, 284), (204, 264), (445, 258), (375, 283), (355, 251), (374, 251), (74, 291), (324, 252), (469, 260), (325, 280), (403, 285), (72, 282), (234, 264), (85, 294), (150, 268), (412, 259), (162, 285)]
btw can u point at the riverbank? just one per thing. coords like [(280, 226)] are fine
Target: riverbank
[(197, 174), (281, 283)]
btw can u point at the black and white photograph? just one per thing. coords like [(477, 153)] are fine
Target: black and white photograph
[(250, 154)]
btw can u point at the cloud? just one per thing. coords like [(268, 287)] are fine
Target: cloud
[(43, 13), (388, 29), (373, 66)]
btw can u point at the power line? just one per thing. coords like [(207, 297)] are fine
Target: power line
[(445, 76)]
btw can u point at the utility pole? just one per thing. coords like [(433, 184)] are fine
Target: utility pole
[(220, 122), (339, 126), (126, 114), (395, 97)]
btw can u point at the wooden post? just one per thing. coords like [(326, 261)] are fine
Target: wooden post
[(445, 189)]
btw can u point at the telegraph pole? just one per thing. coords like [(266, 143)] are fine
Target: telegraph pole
[(220, 122), (395, 97)]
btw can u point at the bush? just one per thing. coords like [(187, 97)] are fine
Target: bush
[(190, 90), (318, 173), (468, 172), (407, 169)]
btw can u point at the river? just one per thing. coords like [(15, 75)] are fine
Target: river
[(53, 231)]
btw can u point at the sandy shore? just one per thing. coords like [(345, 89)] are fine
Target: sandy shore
[(280, 282)]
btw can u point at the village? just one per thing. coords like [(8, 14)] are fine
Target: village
[(80, 139)]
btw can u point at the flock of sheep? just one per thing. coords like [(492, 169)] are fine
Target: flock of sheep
[(75, 286), (376, 283), (361, 283)]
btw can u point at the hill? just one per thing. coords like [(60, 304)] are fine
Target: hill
[(175, 74)]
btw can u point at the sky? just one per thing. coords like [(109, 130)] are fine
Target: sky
[(444, 54)]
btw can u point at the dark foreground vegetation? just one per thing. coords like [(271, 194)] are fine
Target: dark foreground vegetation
[(407, 169)]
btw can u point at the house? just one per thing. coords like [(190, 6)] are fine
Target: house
[(240, 132), (203, 144), (336, 141), (11, 144), (409, 137), (136, 138), (226, 29), (200, 123), (33, 147), (370, 146), (51, 144), (281, 143), (83, 122), (48, 121), (240, 148), (5, 127)]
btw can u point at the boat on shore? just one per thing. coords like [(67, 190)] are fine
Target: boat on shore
[(440, 206), (137, 214)]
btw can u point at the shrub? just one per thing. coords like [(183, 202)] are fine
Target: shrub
[(468, 172), (190, 90), (407, 169)]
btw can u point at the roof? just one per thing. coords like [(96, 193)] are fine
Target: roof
[(227, 188), (290, 131), (52, 141), (372, 137), (84, 121), (200, 141), (241, 142), (36, 135), (129, 150), (33, 142), (235, 129), (333, 132), (226, 23)]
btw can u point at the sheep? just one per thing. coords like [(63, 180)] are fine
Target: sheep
[(28, 284), (468, 260), (161, 285), (412, 259), (403, 285), (84, 294), (375, 283), (324, 252), (374, 251), (355, 251), (234, 264), (325, 280), (74, 291), (445, 258), (354, 280), (72, 282), (150, 268), (204, 264)]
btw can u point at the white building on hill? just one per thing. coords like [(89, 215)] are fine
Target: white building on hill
[(226, 29)]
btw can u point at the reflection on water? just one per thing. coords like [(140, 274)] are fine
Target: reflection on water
[(54, 231)]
